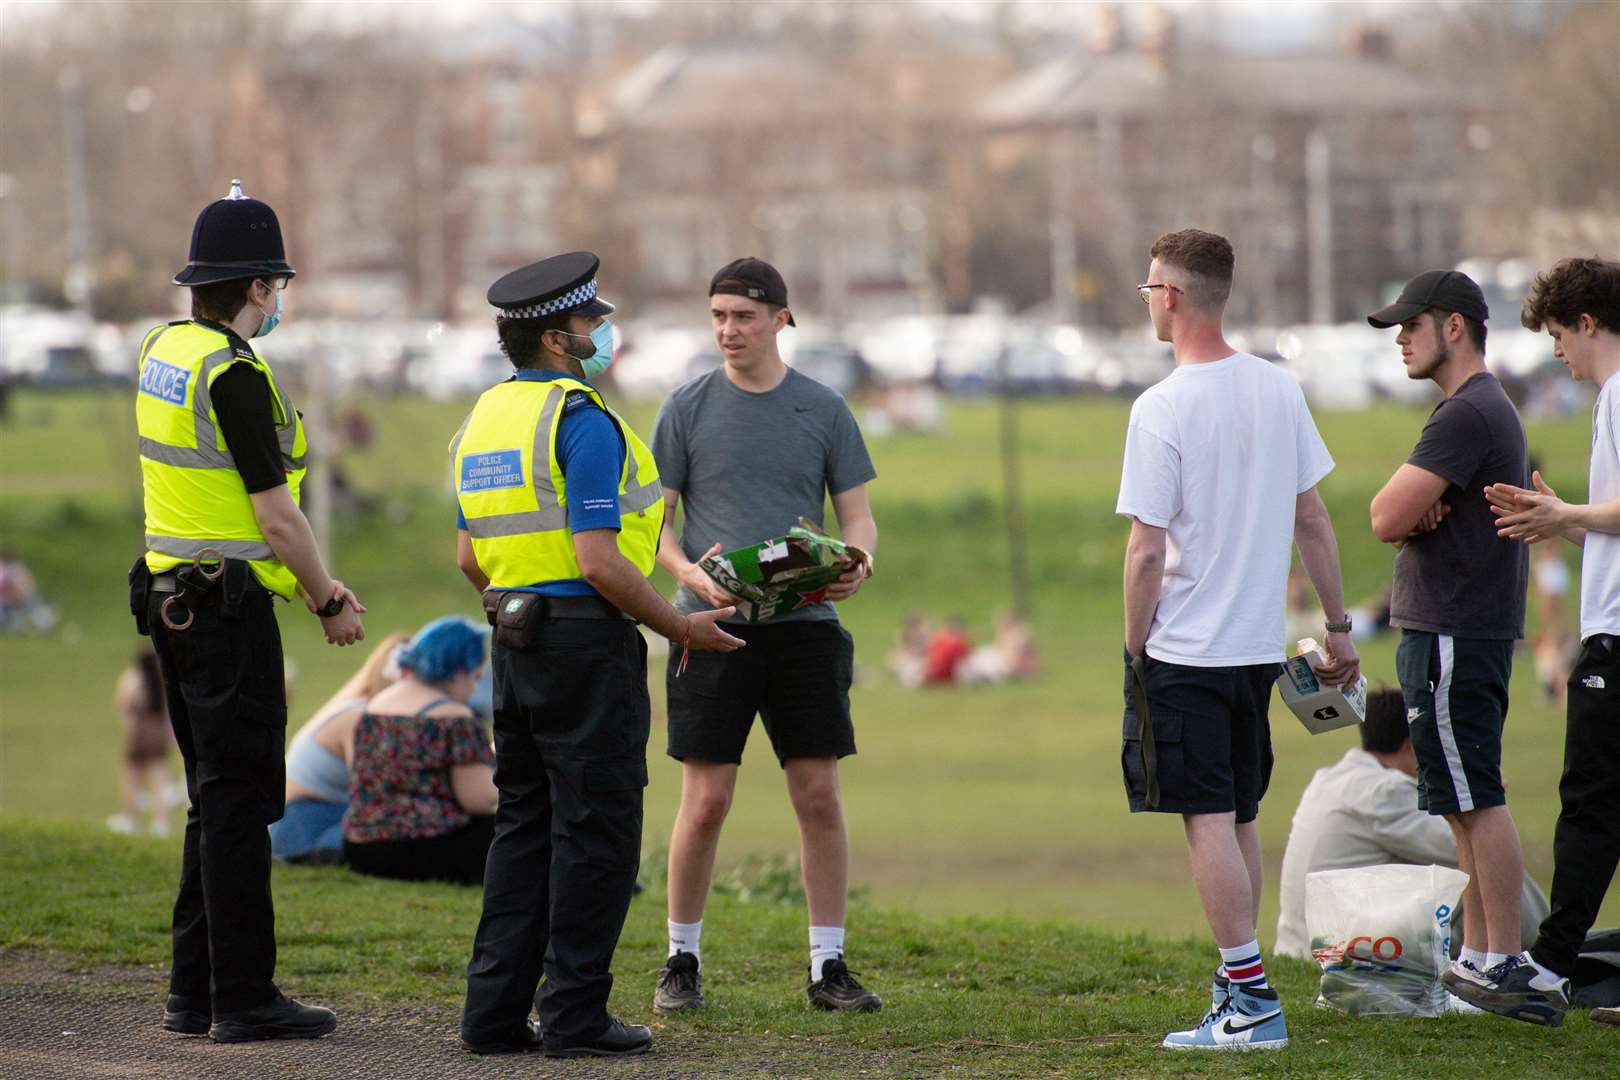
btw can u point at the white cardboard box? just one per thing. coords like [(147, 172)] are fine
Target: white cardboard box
[(1320, 707)]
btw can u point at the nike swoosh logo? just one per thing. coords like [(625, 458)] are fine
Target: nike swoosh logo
[(1233, 1027), (797, 409)]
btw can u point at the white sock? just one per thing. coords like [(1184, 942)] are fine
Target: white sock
[(826, 943), (1492, 959), (684, 937), (1475, 957)]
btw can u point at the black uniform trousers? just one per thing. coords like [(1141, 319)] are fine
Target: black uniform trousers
[(228, 703), (571, 722), (1586, 842)]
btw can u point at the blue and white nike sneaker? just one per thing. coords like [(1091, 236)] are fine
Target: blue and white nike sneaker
[(1251, 1020), (1220, 992)]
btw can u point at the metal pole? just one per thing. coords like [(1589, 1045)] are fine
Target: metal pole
[(1319, 226), (1011, 490), (81, 277)]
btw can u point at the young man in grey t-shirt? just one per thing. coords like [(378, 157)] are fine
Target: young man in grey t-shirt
[(748, 449), (1458, 598)]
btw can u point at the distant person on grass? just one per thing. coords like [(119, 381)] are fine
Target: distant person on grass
[(1222, 460), (1363, 811), (311, 826), (748, 449), (1459, 595), (1578, 303), (148, 738)]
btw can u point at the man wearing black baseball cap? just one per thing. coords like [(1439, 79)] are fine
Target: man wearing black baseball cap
[(1459, 599), (749, 448)]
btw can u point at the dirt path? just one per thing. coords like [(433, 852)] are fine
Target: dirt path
[(62, 1021)]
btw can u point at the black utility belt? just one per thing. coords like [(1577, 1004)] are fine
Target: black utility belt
[(516, 616), (168, 581)]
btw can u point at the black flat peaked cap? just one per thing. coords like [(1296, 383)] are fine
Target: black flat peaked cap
[(558, 285)]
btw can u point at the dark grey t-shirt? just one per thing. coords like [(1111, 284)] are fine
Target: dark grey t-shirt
[(748, 465), (1462, 579)]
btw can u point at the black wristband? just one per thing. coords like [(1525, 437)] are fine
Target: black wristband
[(332, 607)]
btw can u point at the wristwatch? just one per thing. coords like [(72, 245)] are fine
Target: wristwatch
[(332, 607), (1339, 627)]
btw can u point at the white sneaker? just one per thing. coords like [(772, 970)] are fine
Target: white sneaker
[(123, 823), (1455, 1004)]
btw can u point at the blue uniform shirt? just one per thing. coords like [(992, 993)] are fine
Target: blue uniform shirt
[(591, 452)]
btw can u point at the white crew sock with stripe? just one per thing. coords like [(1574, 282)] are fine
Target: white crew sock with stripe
[(1243, 966)]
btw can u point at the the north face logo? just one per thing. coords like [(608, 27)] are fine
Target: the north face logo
[(1593, 682)]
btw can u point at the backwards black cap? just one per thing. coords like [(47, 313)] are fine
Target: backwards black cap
[(753, 278)]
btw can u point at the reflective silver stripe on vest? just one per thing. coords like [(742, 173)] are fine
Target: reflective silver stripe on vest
[(184, 548), (546, 519), (185, 457), (637, 496)]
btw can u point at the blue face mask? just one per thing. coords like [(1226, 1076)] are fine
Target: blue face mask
[(602, 356), (270, 321)]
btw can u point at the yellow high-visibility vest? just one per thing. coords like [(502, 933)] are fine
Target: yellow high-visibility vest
[(514, 498), (195, 499)]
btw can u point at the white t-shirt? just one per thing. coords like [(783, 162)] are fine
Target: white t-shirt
[(1600, 557), (1217, 453)]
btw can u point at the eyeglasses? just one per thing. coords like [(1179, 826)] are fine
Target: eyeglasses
[(277, 284), (1146, 291)]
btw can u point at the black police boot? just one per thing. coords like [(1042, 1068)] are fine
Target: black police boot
[(679, 985), (530, 1043), (837, 990), (619, 1040), (282, 1018), (186, 1015)]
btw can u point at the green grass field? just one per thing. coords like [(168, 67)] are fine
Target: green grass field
[(963, 802), (978, 997)]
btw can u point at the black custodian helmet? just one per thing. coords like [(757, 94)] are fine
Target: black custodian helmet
[(235, 237)]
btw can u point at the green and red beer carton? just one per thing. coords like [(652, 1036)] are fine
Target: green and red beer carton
[(784, 573)]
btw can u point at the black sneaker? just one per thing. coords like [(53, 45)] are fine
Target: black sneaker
[(187, 1015), (1516, 990), (837, 990), (282, 1018), (619, 1040), (679, 985), (530, 1042)]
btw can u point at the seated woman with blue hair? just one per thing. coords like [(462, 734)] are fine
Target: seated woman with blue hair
[(421, 770)]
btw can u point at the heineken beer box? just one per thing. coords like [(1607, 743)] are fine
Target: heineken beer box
[(784, 573), (1320, 707)]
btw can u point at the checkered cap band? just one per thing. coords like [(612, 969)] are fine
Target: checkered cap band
[(570, 299)]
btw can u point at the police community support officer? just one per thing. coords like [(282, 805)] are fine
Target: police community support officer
[(222, 458), (560, 514)]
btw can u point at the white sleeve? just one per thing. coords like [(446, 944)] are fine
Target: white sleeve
[(1150, 482), (1312, 460)]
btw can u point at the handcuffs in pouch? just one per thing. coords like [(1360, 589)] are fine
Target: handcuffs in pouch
[(194, 581)]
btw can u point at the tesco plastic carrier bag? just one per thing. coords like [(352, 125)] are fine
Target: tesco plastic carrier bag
[(1382, 936)]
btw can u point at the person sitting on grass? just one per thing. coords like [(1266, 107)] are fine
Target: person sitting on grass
[(421, 769), (311, 826), (1363, 811)]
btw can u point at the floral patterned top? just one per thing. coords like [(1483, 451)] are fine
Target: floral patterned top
[(399, 787)]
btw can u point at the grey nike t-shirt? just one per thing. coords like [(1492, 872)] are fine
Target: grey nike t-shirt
[(748, 465)]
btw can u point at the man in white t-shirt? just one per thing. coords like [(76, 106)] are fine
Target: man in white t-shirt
[(1222, 460), (1578, 301)]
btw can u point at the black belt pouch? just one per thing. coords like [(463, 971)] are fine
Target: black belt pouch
[(140, 587), (517, 620)]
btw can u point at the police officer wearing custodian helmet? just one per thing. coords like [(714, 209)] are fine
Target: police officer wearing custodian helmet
[(222, 458), (560, 514)]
